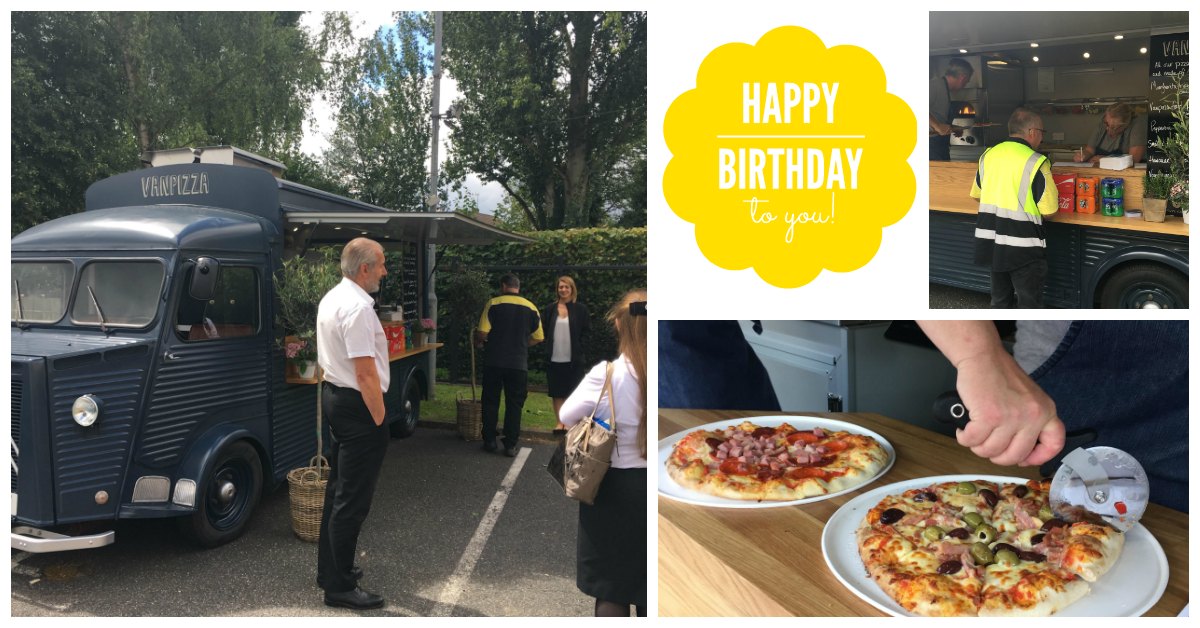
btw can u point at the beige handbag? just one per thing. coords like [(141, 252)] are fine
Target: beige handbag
[(588, 450)]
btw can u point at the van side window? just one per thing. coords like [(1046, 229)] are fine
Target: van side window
[(231, 313)]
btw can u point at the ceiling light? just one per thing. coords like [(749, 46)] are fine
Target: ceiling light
[(997, 62), (1033, 44), (1087, 55), (962, 51), (1118, 37), (1143, 50), (1035, 59)]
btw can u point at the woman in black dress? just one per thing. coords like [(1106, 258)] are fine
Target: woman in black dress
[(564, 323)]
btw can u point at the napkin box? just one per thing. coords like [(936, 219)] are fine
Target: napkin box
[(1116, 162)]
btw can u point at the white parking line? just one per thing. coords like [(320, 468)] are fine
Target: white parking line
[(457, 583)]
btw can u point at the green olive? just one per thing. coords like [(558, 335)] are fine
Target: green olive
[(965, 488), (933, 533), (1008, 557), (1045, 513), (982, 554), (986, 533), (973, 519)]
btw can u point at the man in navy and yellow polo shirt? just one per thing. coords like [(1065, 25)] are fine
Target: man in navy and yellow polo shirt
[(1015, 191), (508, 327)]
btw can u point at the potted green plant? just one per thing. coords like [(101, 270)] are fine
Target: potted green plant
[(1155, 190), (300, 285)]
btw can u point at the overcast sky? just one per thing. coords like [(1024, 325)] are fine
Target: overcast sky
[(315, 141)]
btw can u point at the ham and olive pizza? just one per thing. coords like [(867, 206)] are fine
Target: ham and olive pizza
[(982, 548), (752, 462)]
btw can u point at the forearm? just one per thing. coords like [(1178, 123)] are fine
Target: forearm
[(963, 340)]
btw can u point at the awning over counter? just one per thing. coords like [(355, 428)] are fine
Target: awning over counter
[(319, 227)]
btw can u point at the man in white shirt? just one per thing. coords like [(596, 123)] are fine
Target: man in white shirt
[(352, 350)]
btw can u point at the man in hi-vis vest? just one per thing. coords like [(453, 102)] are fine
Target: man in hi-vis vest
[(1015, 191)]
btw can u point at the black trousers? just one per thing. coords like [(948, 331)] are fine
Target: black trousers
[(513, 383), (357, 454), (1021, 287)]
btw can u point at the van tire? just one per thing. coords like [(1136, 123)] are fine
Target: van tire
[(1138, 284), (410, 410), (226, 497)]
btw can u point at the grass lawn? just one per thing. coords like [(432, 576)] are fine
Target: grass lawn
[(539, 414)]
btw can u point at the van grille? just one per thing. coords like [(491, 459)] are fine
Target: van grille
[(18, 397)]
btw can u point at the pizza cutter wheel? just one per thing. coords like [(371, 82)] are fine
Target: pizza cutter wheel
[(1100, 482)]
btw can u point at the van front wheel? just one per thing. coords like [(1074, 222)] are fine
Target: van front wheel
[(227, 496)]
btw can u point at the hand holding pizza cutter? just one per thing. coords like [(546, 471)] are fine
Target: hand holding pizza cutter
[(1097, 482)]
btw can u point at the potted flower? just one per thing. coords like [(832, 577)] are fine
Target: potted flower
[(1155, 190), (420, 328), (302, 353), (1179, 197)]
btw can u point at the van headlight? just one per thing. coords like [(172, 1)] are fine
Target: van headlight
[(86, 410)]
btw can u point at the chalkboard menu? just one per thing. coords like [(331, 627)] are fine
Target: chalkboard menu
[(410, 280), (1168, 57)]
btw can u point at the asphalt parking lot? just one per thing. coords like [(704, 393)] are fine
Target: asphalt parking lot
[(444, 538)]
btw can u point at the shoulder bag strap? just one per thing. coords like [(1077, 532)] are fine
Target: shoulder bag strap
[(607, 386)]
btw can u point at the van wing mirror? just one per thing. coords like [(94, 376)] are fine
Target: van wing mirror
[(204, 278)]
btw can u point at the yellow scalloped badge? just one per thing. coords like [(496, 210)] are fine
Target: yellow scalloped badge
[(789, 157)]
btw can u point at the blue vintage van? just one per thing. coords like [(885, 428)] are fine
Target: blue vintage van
[(147, 378)]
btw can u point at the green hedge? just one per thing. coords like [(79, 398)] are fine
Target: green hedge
[(468, 275)]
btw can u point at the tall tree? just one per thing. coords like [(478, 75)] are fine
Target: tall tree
[(552, 101), (381, 144), (91, 90)]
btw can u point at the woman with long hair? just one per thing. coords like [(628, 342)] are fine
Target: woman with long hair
[(564, 323), (611, 555)]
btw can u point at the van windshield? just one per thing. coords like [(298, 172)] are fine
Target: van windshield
[(40, 290), (118, 293)]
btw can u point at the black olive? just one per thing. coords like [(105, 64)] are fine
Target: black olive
[(989, 497), (1031, 556), (1037, 539), (925, 496), (891, 515), (958, 533), (1053, 523), (1021, 491), (949, 567), (1005, 546)]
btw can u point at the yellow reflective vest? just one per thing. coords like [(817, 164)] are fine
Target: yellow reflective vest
[(1009, 232)]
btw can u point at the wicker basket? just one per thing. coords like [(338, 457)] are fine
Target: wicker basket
[(306, 491), (470, 411), (470, 419)]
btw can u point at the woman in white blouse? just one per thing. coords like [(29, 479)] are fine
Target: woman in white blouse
[(611, 557)]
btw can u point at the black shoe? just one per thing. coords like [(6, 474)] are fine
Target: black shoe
[(511, 452), (490, 446), (355, 598), (356, 573)]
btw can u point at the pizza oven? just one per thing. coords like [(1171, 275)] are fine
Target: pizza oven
[(964, 116)]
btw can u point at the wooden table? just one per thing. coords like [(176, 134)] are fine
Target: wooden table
[(743, 562)]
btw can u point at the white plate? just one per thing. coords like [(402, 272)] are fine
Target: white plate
[(1130, 588), (668, 487)]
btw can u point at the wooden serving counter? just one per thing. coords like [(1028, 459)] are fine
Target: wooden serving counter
[(292, 378), (950, 191)]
